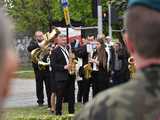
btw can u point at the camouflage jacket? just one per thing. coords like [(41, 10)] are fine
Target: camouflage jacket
[(136, 100)]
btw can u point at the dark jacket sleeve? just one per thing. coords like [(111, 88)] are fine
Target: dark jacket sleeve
[(124, 70), (81, 52), (112, 60), (55, 61), (33, 45)]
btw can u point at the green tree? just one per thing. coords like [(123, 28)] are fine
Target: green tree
[(30, 15)]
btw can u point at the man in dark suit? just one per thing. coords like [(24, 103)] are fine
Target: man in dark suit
[(85, 53), (110, 51), (64, 82), (40, 75)]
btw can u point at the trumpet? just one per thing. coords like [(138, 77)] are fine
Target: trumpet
[(132, 67)]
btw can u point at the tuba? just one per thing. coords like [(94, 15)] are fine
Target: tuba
[(38, 54), (132, 67)]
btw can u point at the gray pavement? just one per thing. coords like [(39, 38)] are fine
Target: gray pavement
[(22, 94)]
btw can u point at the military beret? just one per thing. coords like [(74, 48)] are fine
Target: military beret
[(153, 4)]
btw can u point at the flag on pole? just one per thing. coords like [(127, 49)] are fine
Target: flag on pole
[(66, 11)]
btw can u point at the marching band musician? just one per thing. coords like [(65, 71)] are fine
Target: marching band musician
[(75, 44), (84, 52), (110, 50), (100, 74), (40, 75), (61, 66)]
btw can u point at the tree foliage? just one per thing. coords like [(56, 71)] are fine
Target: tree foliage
[(30, 15)]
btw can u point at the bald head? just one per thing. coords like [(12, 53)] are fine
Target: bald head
[(39, 36)]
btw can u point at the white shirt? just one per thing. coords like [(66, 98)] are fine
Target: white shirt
[(109, 54), (78, 65), (95, 68)]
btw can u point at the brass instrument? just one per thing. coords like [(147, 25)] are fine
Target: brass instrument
[(41, 64), (72, 62), (132, 67), (87, 71), (38, 53)]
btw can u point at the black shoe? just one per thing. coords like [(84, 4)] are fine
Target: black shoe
[(58, 113), (40, 105), (71, 112), (80, 101)]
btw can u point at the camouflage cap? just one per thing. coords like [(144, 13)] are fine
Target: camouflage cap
[(153, 4)]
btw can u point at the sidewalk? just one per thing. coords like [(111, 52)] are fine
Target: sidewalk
[(23, 93)]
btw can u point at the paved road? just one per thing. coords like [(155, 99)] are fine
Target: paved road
[(23, 94)]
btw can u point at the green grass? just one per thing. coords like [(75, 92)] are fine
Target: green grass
[(34, 113), (25, 72), (25, 67)]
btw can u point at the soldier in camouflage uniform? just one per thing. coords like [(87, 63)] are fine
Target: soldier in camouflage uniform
[(138, 99)]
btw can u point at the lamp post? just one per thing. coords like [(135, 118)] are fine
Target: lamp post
[(100, 24), (109, 19)]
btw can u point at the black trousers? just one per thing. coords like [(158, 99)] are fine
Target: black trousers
[(65, 89), (98, 86), (85, 90), (99, 82), (80, 91), (42, 77), (118, 78)]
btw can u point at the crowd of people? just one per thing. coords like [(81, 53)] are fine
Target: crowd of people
[(137, 99), (95, 63), (100, 64)]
